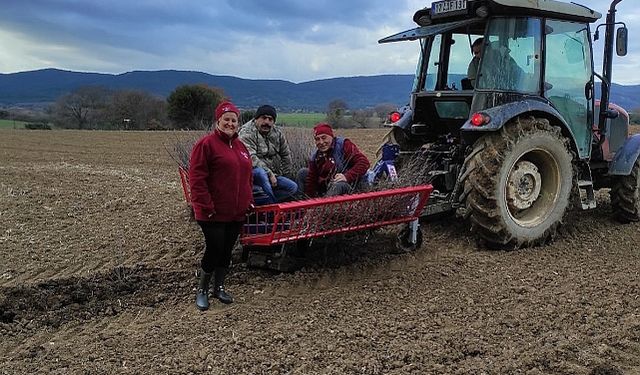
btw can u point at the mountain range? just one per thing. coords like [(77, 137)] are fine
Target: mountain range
[(40, 87)]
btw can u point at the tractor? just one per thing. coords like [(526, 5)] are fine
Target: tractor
[(514, 138)]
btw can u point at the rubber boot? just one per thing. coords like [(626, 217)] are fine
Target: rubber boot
[(218, 286), (202, 295)]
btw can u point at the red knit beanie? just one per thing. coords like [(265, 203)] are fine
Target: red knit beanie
[(322, 128), (225, 107)]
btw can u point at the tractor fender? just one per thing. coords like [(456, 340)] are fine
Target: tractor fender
[(626, 157), (502, 114)]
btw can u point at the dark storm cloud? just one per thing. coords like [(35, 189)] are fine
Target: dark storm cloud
[(295, 40), (295, 16), (134, 24), (122, 24)]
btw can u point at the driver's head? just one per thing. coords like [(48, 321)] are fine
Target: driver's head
[(476, 47)]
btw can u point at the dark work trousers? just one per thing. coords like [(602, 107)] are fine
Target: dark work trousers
[(219, 238), (334, 188)]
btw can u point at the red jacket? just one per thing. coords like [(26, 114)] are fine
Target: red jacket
[(322, 167), (220, 178)]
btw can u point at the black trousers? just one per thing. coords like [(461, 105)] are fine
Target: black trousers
[(219, 238)]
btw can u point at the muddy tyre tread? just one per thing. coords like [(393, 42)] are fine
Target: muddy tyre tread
[(482, 201), (625, 196)]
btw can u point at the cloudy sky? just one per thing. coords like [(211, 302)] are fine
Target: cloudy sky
[(294, 40)]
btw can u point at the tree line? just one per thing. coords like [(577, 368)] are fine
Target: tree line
[(186, 107)]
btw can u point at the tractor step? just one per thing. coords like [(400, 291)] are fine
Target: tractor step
[(587, 195)]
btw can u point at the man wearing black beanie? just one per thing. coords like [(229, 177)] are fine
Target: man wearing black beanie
[(271, 156), (266, 109)]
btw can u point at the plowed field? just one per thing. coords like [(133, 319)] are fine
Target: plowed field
[(97, 261)]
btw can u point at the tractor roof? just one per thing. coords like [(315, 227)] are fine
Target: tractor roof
[(442, 16), (550, 8)]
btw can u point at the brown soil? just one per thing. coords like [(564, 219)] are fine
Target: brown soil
[(97, 261)]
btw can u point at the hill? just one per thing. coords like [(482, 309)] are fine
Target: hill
[(43, 86), (40, 87)]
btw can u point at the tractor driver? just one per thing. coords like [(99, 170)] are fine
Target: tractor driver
[(472, 70)]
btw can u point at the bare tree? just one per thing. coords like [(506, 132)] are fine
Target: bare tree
[(82, 108), (365, 118), (336, 111), (136, 110), (383, 109)]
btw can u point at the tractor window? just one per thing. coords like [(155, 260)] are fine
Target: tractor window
[(457, 55), (434, 64), (567, 73), (511, 55), (420, 68)]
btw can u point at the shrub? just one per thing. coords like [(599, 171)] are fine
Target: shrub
[(37, 126)]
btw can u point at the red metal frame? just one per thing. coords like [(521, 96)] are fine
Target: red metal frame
[(292, 221)]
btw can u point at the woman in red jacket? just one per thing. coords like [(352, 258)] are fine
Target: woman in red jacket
[(221, 194)]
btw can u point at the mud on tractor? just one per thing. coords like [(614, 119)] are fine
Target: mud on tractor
[(514, 149)]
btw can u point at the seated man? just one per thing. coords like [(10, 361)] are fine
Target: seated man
[(335, 168), (472, 70), (270, 155)]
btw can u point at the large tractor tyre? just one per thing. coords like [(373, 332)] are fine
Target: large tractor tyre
[(625, 196), (519, 183)]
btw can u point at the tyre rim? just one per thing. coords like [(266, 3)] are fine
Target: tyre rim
[(532, 188)]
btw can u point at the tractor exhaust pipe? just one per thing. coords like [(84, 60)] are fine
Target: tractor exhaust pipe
[(607, 63)]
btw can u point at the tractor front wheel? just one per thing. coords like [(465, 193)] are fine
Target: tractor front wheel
[(519, 184)]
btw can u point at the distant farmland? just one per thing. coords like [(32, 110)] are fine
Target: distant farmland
[(11, 124), (304, 120)]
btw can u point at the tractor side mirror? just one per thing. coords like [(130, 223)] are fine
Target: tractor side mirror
[(621, 41)]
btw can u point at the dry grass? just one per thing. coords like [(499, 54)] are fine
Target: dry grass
[(179, 148)]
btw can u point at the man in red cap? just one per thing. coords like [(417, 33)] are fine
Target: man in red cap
[(335, 168)]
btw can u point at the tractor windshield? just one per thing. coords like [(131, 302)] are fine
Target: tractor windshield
[(511, 55), (507, 57)]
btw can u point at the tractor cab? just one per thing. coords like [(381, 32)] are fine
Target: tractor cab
[(535, 54)]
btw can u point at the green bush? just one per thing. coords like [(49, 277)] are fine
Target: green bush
[(37, 126)]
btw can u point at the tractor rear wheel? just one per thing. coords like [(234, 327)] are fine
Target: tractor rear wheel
[(519, 182), (625, 196)]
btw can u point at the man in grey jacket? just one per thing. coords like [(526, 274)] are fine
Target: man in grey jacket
[(271, 156)]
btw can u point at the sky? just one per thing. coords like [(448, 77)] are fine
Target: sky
[(293, 40)]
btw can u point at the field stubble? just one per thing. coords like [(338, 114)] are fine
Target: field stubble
[(96, 276)]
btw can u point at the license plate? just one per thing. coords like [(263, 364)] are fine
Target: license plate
[(448, 8)]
